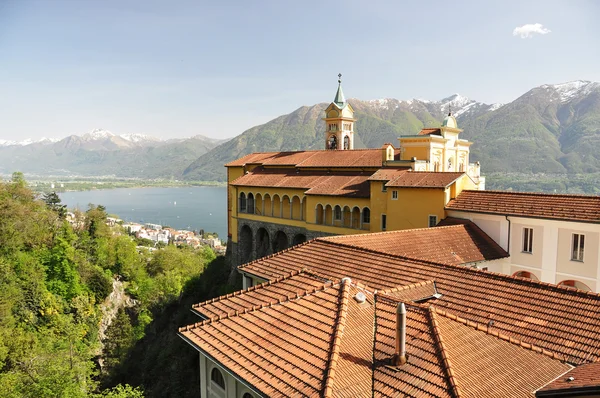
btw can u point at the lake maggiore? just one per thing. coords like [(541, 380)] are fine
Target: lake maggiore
[(191, 208)]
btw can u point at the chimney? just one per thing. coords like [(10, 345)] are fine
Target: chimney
[(400, 354)]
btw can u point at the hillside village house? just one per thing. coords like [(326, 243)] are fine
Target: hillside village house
[(397, 314), (280, 199)]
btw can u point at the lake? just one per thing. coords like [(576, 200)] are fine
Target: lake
[(181, 208)]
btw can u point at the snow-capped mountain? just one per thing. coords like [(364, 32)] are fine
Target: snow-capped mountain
[(571, 90)]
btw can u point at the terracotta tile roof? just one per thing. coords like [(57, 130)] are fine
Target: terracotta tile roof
[(424, 373), (584, 378), (348, 158), (559, 319), (414, 292), (349, 184), (424, 179), (526, 204), (309, 344), (436, 131), (387, 174), (455, 244), (263, 294)]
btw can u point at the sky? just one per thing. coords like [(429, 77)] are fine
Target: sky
[(180, 68)]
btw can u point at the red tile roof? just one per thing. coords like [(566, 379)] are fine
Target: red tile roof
[(436, 131), (455, 244), (387, 174), (424, 179), (356, 158), (558, 319), (582, 379), (349, 184), (526, 204)]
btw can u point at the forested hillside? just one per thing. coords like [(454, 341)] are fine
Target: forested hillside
[(55, 278)]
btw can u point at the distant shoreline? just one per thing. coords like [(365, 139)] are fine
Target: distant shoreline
[(44, 185)]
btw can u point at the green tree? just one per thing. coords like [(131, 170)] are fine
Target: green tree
[(118, 340), (53, 202)]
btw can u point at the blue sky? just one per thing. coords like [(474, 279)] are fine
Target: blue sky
[(180, 68)]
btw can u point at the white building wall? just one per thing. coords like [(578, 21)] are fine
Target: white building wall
[(233, 387), (550, 260)]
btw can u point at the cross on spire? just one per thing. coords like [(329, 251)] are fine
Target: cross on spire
[(339, 77)]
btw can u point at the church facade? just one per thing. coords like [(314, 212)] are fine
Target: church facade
[(279, 199)]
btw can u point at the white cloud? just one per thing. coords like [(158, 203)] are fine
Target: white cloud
[(529, 29)]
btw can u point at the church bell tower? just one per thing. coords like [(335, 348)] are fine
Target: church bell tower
[(339, 122)]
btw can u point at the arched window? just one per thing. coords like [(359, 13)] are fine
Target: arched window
[(346, 142), (366, 215), (217, 377), (525, 274), (575, 284), (243, 202), (247, 395), (250, 204), (337, 213), (332, 142)]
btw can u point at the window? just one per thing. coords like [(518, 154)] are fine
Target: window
[(332, 142), (394, 195), (337, 213), (346, 142), (578, 246), (432, 221), (366, 216), (243, 202), (217, 377), (383, 222), (332, 127), (527, 240), (383, 187)]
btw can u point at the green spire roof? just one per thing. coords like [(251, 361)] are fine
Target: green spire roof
[(339, 99)]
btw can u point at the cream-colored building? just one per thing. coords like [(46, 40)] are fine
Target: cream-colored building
[(551, 238)]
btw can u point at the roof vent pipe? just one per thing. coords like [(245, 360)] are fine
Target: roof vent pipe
[(400, 354)]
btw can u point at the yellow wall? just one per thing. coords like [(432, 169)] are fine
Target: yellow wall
[(413, 207), (421, 153)]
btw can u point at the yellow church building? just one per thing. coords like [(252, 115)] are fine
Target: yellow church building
[(279, 199)]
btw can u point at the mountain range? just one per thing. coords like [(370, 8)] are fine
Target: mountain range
[(551, 129), (102, 153)]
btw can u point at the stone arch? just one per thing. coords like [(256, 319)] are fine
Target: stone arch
[(346, 221), (276, 206), (250, 203), (337, 215), (263, 243), (286, 207), (526, 274), (242, 204), (267, 205), (319, 214), (296, 208), (258, 204), (245, 244), (298, 238), (280, 241), (356, 217), (576, 284), (328, 215)]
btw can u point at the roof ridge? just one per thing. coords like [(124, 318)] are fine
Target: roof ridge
[(405, 287), (486, 329), (253, 288), (575, 195), (254, 308), (337, 337), (446, 364), (398, 231), (498, 275)]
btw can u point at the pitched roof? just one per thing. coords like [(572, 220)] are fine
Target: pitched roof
[(584, 378), (559, 319), (356, 158), (350, 184), (424, 179), (529, 204), (454, 244), (309, 344), (429, 131)]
